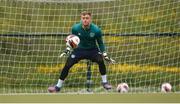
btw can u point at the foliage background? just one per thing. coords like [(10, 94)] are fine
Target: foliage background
[(30, 63)]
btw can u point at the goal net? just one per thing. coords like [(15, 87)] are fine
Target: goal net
[(141, 35)]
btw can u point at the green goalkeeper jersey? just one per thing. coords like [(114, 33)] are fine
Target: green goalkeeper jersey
[(90, 37)]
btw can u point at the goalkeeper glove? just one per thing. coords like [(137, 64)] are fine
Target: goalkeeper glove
[(66, 51), (108, 59)]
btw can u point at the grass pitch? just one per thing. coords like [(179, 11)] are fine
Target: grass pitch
[(92, 98)]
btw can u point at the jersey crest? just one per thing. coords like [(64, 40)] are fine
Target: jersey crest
[(92, 35)]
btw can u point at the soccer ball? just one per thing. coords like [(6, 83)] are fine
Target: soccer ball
[(166, 87), (72, 41), (122, 88)]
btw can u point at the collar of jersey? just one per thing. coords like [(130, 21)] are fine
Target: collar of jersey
[(85, 28)]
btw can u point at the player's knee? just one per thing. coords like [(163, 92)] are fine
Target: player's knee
[(100, 60), (70, 63)]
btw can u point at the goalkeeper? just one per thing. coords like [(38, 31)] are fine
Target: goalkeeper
[(89, 34)]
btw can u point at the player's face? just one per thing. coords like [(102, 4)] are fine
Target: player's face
[(86, 20)]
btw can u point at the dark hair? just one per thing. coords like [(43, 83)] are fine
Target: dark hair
[(85, 13)]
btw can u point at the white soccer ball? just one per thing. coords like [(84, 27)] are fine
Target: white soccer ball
[(166, 87), (122, 88), (72, 41)]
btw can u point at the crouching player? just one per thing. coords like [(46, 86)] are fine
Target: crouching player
[(89, 34)]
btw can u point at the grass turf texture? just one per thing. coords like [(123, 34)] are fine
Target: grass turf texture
[(92, 98)]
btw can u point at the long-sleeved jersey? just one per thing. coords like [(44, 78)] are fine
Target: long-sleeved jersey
[(90, 37)]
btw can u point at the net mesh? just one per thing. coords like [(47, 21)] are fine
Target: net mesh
[(142, 36)]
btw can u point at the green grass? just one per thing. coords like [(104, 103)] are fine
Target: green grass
[(89, 98)]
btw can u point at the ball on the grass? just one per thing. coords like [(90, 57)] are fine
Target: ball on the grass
[(122, 88), (166, 87)]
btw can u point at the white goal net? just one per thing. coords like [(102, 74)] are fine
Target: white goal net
[(141, 35)]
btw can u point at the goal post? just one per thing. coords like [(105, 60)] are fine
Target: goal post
[(143, 36)]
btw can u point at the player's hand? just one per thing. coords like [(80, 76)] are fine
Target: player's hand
[(108, 59), (66, 51)]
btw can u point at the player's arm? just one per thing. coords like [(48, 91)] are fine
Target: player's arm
[(65, 52), (102, 48), (68, 49), (100, 41)]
